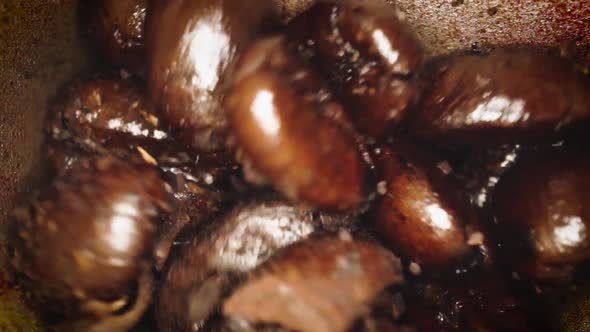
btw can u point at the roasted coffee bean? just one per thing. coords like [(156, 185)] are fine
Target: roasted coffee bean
[(292, 131), (507, 95), (481, 169), (384, 314), (211, 262), (368, 52), (421, 212), (104, 112), (199, 186), (117, 27), (108, 117), (320, 284), (470, 303), (83, 243), (541, 214), (193, 46), (113, 117)]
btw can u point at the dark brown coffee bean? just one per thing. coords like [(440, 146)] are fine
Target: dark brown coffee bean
[(321, 284), (421, 212), (104, 112), (292, 131), (368, 52), (193, 46), (541, 215), (481, 169), (480, 302), (83, 243), (211, 262), (505, 95)]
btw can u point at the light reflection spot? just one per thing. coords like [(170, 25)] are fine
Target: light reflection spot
[(572, 233), (122, 226), (384, 46), (439, 217), (498, 108), (265, 112)]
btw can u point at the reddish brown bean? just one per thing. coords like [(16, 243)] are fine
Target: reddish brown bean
[(104, 112), (112, 117), (193, 45), (541, 213), (84, 241), (320, 284), (384, 315), (505, 95), (421, 212), (475, 302), (199, 187), (207, 266), (368, 51), (117, 27), (292, 131)]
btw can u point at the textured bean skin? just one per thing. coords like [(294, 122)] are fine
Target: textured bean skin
[(422, 213), (117, 27), (541, 214), (104, 112), (505, 95), (82, 244), (292, 131), (472, 303), (385, 311), (368, 52), (321, 284), (208, 266), (383, 316), (112, 117), (193, 46)]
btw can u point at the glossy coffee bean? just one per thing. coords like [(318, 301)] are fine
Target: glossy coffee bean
[(321, 284), (83, 243), (421, 212), (368, 52), (97, 113), (292, 131), (193, 46), (210, 263), (541, 216), (480, 302), (507, 95)]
